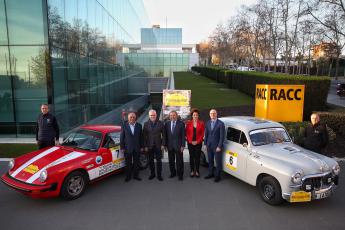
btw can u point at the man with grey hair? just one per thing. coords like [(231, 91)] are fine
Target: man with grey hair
[(214, 138), (154, 142), (315, 135)]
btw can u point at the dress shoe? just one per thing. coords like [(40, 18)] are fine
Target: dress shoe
[(160, 178), (209, 176), (127, 179), (151, 177), (192, 174), (137, 178), (197, 174), (172, 175), (217, 179)]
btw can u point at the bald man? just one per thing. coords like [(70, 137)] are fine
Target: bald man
[(214, 138), (315, 135)]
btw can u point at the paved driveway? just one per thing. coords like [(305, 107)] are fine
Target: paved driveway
[(171, 204)]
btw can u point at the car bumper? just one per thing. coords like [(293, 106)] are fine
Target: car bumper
[(315, 194), (32, 190)]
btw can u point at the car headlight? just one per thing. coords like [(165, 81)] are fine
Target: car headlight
[(297, 177), (336, 169), (43, 176), (11, 164)]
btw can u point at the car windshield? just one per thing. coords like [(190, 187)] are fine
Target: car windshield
[(84, 139), (268, 136)]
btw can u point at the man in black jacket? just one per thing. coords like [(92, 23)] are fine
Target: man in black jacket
[(131, 144), (47, 129), (315, 135), (154, 142), (175, 142)]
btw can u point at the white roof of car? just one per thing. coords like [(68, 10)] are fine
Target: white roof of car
[(247, 124)]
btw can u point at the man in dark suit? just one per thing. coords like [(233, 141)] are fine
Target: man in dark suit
[(214, 138), (175, 143), (131, 144), (154, 142)]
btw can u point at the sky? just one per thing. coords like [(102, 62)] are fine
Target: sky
[(197, 18)]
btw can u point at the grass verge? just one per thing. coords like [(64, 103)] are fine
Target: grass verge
[(14, 150), (206, 93)]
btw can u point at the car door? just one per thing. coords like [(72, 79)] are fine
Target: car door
[(235, 153), (113, 144)]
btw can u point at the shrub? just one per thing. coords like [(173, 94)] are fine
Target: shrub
[(316, 88), (296, 131), (334, 120)]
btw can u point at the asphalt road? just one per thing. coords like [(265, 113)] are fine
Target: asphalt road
[(332, 97), (171, 204)]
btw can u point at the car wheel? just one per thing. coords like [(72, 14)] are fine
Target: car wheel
[(143, 161), (270, 190), (74, 185), (203, 161)]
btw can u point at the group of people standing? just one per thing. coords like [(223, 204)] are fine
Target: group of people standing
[(156, 136)]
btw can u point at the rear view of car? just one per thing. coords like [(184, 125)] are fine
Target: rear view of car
[(341, 89)]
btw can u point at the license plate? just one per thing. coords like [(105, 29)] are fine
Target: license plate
[(321, 195), (300, 196)]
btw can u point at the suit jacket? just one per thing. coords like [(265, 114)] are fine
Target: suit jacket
[(200, 131), (175, 140), (154, 136), (129, 142), (214, 138)]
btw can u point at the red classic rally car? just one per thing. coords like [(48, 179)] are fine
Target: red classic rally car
[(87, 154)]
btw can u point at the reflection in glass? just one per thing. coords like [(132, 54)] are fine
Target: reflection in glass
[(6, 109), (25, 22), (3, 29), (29, 73)]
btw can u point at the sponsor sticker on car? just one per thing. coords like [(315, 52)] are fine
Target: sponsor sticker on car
[(231, 160), (32, 169), (300, 196)]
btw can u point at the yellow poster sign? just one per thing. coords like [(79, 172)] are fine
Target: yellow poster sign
[(279, 102), (178, 100)]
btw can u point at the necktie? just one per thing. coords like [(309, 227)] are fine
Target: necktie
[(212, 125), (173, 126)]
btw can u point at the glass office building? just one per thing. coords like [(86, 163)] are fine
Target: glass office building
[(161, 52), (157, 36), (66, 53)]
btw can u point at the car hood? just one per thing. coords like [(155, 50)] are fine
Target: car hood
[(297, 157), (30, 170)]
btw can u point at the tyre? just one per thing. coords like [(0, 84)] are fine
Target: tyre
[(74, 185), (270, 190), (143, 161), (203, 161)]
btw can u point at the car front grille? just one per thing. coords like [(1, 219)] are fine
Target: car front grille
[(316, 183)]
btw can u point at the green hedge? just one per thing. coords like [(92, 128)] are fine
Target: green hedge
[(296, 131), (316, 88), (334, 120)]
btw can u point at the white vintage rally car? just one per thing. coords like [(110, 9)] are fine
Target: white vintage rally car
[(261, 153)]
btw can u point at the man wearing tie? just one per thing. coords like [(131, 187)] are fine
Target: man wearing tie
[(175, 142), (154, 142), (131, 144), (214, 138)]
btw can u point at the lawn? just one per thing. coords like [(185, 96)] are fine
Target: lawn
[(14, 150), (207, 93)]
